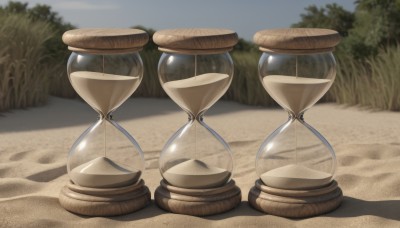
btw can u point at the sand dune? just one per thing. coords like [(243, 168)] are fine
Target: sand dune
[(35, 142)]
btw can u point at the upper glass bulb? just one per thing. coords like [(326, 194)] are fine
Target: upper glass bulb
[(297, 82), (195, 82), (105, 81)]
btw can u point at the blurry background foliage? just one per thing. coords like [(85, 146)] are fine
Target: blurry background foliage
[(33, 57)]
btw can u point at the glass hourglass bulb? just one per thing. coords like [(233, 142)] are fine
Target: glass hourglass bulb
[(195, 156), (105, 155), (296, 156)]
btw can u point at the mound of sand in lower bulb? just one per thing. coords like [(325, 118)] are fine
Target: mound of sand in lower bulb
[(196, 174), (102, 172), (295, 177)]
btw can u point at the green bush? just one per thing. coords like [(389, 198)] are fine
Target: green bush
[(246, 87), (55, 49), (374, 83), (24, 73), (33, 60), (150, 85)]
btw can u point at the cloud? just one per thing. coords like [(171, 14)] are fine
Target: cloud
[(83, 5)]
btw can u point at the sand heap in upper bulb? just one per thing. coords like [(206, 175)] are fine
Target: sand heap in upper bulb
[(197, 93), (295, 177), (295, 93), (104, 92), (102, 172), (196, 174)]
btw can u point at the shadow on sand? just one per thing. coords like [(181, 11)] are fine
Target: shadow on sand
[(351, 207), (61, 112)]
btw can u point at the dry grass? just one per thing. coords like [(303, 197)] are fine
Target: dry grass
[(23, 72), (150, 85), (27, 77), (374, 84), (59, 82), (246, 87)]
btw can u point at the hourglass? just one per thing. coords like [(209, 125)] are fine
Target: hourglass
[(195, 70), (105, 163), (295, 163)]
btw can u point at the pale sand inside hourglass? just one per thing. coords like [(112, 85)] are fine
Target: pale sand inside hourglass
[(295, 177), (102, 172), (195, 94), (104, 92), (295, 94), (196, 174)]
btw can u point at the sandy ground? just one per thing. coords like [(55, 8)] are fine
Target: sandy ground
[(34, 144)]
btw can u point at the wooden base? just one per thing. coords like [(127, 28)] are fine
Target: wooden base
[(295, 203), (104, 201), (198, 202)]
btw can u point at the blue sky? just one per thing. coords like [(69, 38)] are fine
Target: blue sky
[(245, 17)]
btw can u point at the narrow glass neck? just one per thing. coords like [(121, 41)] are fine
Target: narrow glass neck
[(108, 116), (296, 117), (193, 118)]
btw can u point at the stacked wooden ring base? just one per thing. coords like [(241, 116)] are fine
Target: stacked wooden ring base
[(295, 203), (198, 202), (104, 201)]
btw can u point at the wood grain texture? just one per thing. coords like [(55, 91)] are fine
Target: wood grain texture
[(105, 39), (104, 201), (297, 193), (196, 51), (198, 202), (195, 39), (295, 204), (105, 51), (297, 40)]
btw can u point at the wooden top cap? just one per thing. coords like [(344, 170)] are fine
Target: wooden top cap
[(297, 40), (105, 40), (195, 40)]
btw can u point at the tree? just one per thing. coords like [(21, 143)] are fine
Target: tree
[(14, 7), (55, 47), (56, 51), (331, 16), (245, 46), (378, 21), (375, 23)]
